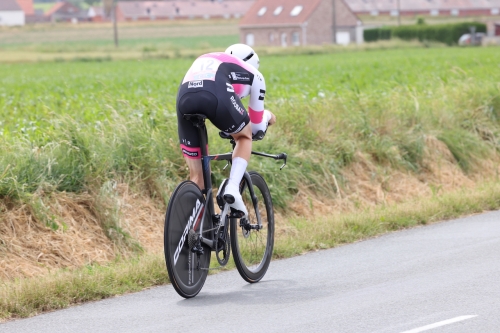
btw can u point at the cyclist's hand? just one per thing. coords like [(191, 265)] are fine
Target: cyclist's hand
[(269, 119), (272, 119)]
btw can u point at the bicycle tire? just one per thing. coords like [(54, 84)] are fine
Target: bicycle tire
[(253, 249), (185, 210)]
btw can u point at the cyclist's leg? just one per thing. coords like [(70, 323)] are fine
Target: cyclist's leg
[(193, 101), (243, 140), (241, 156), (190, 147), (232, 118), (195, 171)]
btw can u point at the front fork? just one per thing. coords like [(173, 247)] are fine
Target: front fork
[(248, 182)]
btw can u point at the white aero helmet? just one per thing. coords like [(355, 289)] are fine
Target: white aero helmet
[(245, 53)]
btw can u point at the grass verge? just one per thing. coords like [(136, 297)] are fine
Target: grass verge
[(31, 296)]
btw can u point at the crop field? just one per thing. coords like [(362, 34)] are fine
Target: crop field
[(85, 36), (63, 41)]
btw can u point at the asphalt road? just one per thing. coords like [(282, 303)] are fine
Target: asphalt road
[(439, 278)]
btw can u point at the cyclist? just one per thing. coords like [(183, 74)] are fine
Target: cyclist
[(214, 86)]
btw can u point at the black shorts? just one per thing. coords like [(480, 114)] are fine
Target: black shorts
[(214, 100)]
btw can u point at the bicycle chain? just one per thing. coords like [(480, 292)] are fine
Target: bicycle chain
[(216, 228)]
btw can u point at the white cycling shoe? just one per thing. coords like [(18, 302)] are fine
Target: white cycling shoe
[(233, 197)]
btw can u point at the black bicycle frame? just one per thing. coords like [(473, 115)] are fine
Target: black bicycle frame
[(199, 122)]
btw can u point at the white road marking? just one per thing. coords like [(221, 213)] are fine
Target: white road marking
[(439, 324)]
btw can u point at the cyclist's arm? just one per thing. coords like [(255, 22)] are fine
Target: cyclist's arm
[(258, 116)]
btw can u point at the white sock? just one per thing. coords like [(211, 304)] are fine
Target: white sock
[(237, 171)]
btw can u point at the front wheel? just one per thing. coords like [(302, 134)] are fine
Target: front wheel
[(187, 270), (253, 243)]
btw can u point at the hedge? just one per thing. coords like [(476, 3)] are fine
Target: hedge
[(444, 33), (372, 35)]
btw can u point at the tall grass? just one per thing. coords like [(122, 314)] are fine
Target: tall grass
[(74, 126)]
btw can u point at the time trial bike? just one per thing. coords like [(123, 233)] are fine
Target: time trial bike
[(193, 230)]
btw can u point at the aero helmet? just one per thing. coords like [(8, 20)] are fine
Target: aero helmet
[(245, 53)]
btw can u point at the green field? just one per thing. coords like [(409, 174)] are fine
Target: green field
[(102, 120), (129, 44)]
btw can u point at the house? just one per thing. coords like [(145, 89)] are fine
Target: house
[(11, 13), (299, 22), (493, 28), (27, 7), (426, 7), (493, 35), (30, 13), (169, 10), (97, 14), (65, 12)]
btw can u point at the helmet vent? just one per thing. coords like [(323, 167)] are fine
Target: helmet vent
[(249, 57)]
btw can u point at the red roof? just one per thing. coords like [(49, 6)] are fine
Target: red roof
[(26, 6), (55, 8), (257, 15)]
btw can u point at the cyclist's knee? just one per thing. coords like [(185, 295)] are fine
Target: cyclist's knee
[(245, 133)]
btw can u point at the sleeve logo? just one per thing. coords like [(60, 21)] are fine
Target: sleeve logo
[(262, 95), (240, 76)]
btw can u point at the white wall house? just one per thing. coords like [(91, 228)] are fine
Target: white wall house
[(11, 13)]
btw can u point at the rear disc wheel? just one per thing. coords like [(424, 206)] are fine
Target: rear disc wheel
[(187, 271)]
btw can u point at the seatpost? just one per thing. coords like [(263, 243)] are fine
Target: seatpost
[(205, 160)]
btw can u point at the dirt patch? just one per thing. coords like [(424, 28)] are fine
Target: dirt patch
[(142, 218), (30, 247)]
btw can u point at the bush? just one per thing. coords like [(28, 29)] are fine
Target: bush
[(444, 33), (372, 35)]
